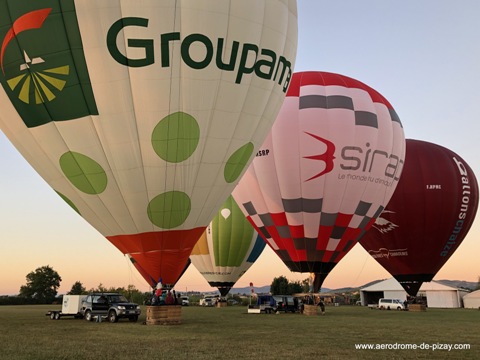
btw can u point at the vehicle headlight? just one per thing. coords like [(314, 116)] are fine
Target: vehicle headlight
[(121, 308), (138, 307)]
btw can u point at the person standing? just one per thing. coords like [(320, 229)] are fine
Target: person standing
[(322, 306)]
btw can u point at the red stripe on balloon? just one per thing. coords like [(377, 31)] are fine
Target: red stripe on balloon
[(160, 253), (328, 79), (28, 21)]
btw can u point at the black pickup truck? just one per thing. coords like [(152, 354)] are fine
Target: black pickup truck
[(113, 306)]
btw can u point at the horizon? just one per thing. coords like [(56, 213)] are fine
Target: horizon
[(323, 289)]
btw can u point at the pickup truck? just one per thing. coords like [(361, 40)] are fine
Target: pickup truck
[(113, 306)]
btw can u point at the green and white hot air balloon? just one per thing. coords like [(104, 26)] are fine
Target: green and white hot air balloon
[(227, 248), (143, 115)]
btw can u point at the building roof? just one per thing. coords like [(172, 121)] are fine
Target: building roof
[(473, 295), (393, 285)]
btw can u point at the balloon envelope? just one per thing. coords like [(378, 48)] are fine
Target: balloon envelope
[(325, 172), (150, 280), (429, 215), (143, 115), (227, 248)]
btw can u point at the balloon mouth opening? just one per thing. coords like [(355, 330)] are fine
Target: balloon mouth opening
[(412, 283)]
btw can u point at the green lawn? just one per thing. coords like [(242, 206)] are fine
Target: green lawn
[(219, 333)]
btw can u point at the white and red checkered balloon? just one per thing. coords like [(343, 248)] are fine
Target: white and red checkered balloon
[(325, 172)]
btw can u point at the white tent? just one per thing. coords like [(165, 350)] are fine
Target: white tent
[(438, 295), (389, 289), (472, 300)]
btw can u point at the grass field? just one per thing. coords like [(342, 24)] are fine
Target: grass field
[(219, 333)]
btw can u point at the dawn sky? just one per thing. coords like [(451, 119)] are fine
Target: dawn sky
[(423, 56)]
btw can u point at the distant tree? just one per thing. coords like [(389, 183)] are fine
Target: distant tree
[(135, 295), (306, 285), (294, 288), (131, 292), (100, 288), (478, 284), (77, 289), (42, 285), (279, 286)]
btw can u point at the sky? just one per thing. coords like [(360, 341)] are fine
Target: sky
[(423, 56)]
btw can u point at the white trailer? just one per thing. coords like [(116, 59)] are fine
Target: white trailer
[(71, 306)]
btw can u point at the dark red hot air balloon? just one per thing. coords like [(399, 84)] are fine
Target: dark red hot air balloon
[(428, 216)]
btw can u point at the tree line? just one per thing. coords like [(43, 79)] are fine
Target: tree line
[(281, 286), (42, 288)]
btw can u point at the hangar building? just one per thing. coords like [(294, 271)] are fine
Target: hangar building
[(472, 300), (436, 294)]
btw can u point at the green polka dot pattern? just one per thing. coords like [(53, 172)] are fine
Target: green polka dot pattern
[(237, 162), (68, 201), (83, 172), (170, 209), (176, 137)]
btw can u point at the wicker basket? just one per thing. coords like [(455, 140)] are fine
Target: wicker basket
[(310, 310), (417, 307), (164, 315)]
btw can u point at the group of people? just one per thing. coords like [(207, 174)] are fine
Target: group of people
[(163, 297)]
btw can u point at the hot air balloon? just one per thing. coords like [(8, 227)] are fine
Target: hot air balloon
[(325, 172), (143, 115), (428, 216), (227, 248), (150, 280)]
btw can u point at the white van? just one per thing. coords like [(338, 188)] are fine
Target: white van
[(391, 304)]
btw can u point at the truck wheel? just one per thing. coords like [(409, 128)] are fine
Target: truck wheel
[(133, 318), (57, 316), (112, 316), (52, 316), (88, 315)]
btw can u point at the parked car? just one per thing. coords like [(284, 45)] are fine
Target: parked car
[(391, 304), (185, 301), (114, 306), (209, 302), (286, 303), (275, 303)]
